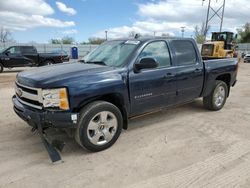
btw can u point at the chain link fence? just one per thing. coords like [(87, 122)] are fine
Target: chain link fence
[(45, 48), (86, 48)]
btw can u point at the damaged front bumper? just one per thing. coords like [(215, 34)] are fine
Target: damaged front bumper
[(41, 119)]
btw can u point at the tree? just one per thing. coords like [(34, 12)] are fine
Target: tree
[(68, 40), (165, 35), (95, 40), (244, 33), (200, 33), (64, 40), (55, 41), (5, 35)]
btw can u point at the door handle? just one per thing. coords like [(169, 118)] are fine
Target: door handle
[(169, 75)]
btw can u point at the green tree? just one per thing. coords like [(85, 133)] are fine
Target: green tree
[(200, 33), (95, 40), (64, 40), (244, 33), (68, 40), (55, 41)]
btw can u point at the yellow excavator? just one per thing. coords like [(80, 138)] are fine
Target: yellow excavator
[(222, 45)]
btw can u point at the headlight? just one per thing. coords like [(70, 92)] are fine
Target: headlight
[(55, 98)]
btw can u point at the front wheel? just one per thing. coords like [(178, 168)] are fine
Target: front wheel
[(217, 98), (99, 127)]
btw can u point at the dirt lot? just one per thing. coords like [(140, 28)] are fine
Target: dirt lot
[(186, 146)]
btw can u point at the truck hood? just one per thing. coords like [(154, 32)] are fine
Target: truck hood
[(62, 74)]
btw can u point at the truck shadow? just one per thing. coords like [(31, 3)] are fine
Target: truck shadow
[(72, 147), (167, 114)]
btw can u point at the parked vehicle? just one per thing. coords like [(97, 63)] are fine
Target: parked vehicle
[(222, 45), (27, 56), (247, 58), (119, 80), (63, 53)]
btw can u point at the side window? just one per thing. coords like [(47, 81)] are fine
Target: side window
[(28, 50), (159, 51), (185, 52), (14, 50)]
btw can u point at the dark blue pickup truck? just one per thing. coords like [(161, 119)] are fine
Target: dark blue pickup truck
[(119, 80)]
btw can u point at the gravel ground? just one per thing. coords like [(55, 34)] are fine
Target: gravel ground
[(186, 146)]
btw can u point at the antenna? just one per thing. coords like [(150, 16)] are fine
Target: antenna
[(212, 12)]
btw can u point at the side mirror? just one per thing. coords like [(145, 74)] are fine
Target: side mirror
[(145, 63), (236, 36)]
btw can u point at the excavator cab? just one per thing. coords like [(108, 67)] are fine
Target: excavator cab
[(222, 45)]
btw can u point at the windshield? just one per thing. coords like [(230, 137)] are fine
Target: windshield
[(2, 50), (112, 53)]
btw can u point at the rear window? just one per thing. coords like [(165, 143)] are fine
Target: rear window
[(185, 52), (28, 49)]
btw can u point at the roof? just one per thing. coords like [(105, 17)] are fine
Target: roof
[(145, 39)]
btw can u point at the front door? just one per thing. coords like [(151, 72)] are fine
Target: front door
[(151, 89), (12, 57)]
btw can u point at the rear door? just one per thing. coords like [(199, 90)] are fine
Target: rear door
[(189, 70), (152, 88), (30, 56)]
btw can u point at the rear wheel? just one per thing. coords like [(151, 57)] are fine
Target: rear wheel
[(1, 67), (99, 127), (217, 98)]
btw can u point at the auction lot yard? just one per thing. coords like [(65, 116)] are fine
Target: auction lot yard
[(186, 146)]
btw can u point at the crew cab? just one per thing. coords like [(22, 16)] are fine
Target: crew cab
[(27, 56), (120, 79)]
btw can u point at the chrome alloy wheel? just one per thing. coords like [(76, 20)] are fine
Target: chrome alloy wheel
[(219, 96), (102, 128)]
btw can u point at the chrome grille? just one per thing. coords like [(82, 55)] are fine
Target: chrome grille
[(29, 96)]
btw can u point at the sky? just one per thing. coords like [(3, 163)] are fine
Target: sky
[(42, 20)]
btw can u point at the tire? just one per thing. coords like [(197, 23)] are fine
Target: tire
[(99, 127), (1, 67), (217, 98), (47, 62)]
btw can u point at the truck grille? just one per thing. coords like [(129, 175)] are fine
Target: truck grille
[(29, 96), (207, 50)]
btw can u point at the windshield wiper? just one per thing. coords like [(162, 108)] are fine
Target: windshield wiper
[(96, 62)]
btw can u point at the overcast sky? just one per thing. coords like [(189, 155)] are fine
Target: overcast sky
[(41, 20)]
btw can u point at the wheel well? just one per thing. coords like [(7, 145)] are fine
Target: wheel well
[(225, 78), (114, 99)]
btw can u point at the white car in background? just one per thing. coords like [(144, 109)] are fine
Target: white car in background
[(247, 58)]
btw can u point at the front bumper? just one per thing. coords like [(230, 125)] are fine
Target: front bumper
[(47, 119)]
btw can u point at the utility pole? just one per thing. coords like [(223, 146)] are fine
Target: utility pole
[(182, 31), (212, 12), (106, 35)]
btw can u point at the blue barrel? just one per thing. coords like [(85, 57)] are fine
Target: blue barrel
[(74, 52)]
